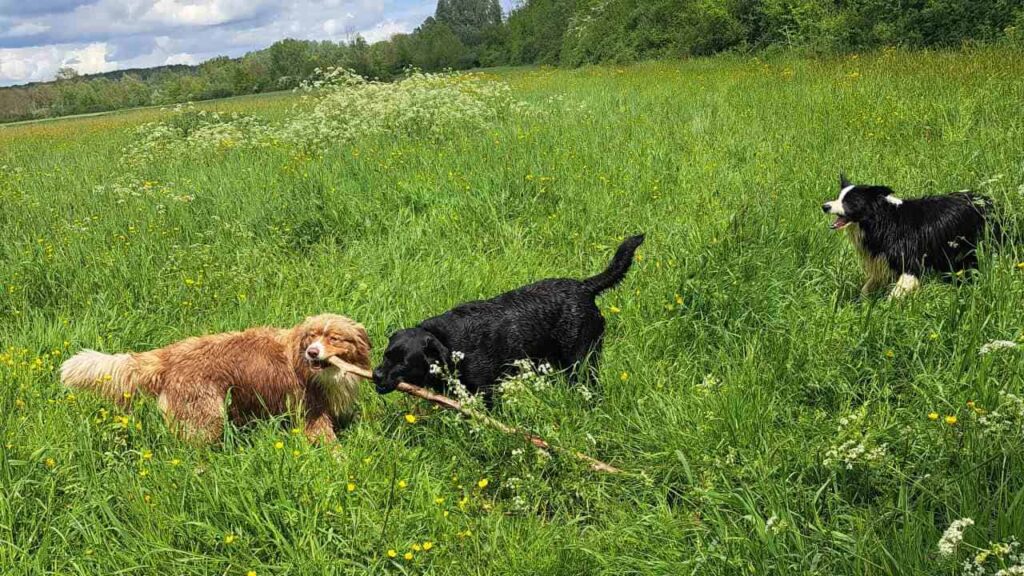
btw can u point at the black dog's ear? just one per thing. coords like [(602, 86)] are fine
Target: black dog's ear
[(435, 351), (843, 182)]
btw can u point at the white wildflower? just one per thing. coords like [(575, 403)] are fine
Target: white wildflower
[(996, 345), (458, 356), (953, 535)]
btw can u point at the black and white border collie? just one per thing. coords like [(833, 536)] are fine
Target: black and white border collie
[(902, 239)]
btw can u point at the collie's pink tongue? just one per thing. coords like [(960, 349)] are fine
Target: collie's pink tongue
[(840, 223)]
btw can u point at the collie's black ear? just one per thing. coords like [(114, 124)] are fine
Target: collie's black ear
[(843, 182)]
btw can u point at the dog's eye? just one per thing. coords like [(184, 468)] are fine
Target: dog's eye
[(335, 340)]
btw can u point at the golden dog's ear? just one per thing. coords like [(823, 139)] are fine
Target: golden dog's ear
[(363, 345)]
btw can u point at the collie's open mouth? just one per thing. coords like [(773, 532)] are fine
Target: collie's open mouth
[(840, 223)]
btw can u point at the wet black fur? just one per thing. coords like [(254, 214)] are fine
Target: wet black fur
[(934, 233), (554, 321)]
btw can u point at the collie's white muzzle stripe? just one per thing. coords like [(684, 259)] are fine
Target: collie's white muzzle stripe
[(836, 206)]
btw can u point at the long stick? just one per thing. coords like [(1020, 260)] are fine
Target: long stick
[(454, 405)]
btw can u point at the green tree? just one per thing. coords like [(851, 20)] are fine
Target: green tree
[(468, 19), (438, 47)]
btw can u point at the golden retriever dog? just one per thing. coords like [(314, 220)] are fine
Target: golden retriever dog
[(243, 375)]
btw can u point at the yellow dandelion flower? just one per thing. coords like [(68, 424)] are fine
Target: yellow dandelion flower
[(50, 463), (296, 453), (143, 473), (624, 376), (296, 431), (1020, 265), (278, 445), (175, 461), (951, 420), (127, 395), (250, 573), (614, 309), (411, 419), (392, 553), (890, 354), (147, 454), (416, 547), (933, 416), (482, 483), (679, 300), (351, 487), (933, 336), (230, 538), (407, 555), (428, 545), (402, 483), (438, 500)]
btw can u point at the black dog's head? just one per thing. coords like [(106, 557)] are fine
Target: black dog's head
[(857, 202), (408, 358)]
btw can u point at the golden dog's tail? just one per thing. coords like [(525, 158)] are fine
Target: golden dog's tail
[(115, 376)]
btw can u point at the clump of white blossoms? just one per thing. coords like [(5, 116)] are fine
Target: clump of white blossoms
[(529, 377), (854, 444), (342, 106), (996, 345), (450, 375), (339, 107), (189, 130), (953, 535), (999, 559), (1008, 418), (774, 525)]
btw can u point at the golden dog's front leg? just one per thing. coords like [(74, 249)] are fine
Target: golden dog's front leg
[(320, 428)]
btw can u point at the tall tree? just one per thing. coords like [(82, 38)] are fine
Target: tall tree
[(469, 18)]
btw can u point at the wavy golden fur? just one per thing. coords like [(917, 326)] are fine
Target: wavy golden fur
[(241, 375)]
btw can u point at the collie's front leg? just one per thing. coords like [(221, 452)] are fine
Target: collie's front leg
[(876, 272), (906, 284)]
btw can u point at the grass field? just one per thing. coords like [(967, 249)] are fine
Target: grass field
[(771, 420)]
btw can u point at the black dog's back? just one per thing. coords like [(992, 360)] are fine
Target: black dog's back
[(554, 321), (935, 232)]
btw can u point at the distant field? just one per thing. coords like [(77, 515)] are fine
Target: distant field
[(770, 418)]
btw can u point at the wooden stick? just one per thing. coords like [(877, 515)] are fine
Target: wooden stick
[(449, 404)]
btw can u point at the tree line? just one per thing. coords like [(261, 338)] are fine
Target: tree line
[(465, 34)]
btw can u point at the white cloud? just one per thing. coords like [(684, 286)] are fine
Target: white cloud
[(38, 36), (385, 30), (181, 58), (209, 13), (19, 65)]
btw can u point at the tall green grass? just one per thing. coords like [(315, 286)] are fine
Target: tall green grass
[(734, 348)]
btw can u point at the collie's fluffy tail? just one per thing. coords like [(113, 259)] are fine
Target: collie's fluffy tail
[(616, 271), (115, 376)]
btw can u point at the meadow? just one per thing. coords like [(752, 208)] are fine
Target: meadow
[(769, 418)]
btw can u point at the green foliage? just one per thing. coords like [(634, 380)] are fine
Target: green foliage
[(771, 419), (469, 18), (470, 33)]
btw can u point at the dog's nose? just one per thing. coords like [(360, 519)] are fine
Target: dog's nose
[(313, 353), (824, 208)]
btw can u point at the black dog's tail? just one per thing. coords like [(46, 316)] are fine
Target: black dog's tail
[(615, 271)]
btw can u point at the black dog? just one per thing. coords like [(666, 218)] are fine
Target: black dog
[(905, 238), (554, 321)]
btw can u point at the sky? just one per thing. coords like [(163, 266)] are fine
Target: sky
[(37, 37)]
